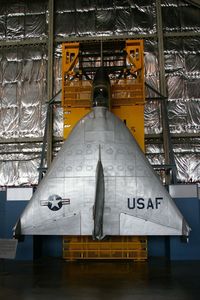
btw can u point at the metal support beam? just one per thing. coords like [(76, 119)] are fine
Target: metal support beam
[(50, 80), (85, 39), (185, 135), (169, 157), (182, 34), (153, 136), (18, 43)]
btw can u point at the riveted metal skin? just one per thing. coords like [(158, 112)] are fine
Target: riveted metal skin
[(135, 201)]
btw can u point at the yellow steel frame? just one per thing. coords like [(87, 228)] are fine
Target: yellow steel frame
[(76, 94), (135, 52), (128, 95), (115, 247), (128, 98), (70, 53)]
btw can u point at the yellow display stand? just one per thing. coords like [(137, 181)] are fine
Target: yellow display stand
[(128, 98)]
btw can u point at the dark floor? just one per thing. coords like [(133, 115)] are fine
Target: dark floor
[(57, 279)]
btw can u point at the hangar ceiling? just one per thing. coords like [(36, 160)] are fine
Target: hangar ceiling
[(31, 34)]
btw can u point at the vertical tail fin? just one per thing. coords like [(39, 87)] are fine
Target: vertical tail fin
[(99, 200)]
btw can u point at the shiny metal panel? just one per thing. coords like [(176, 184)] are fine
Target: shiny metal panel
[(135, 200)]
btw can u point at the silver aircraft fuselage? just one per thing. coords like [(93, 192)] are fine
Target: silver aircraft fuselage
[(101, 184)]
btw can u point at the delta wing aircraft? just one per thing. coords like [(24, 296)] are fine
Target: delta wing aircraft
[(101, 183)]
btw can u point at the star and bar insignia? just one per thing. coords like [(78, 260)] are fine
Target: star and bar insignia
[(55, 202)]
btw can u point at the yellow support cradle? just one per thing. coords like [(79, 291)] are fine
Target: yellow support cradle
[(128, 94), (128, 98), (115, 247)]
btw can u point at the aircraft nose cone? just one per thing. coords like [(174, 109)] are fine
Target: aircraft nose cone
[(101, 88)]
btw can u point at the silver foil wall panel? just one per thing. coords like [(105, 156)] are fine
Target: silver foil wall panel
[(179, 16), (19, 163), (111, 17), (182, 62), (23, 19), (23, 91), (23, 72), (187, 158)]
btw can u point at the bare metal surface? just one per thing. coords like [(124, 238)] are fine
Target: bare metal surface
[(136, 203)]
